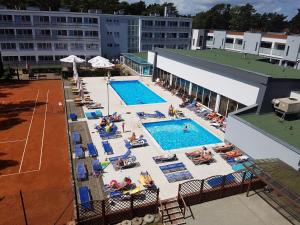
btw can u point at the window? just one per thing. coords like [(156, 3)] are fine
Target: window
[(239, 41), (5, 18), (183, 35), (25, 46), (264, 44), (280, 46), (232, 106), (76, 46), (109, 20), (58, 57), (41, 19), (287, 50), (159, 35), (146, 47), (182, 46), (43, 32), (22, 19), (147, 35), (117, 45), (8, 46), (77, 33), (184, 24), (108, 33), (74, 19), (117, 34), (59, 32), (171, 46), (27, 58), (159, 23), (229, 40), (147, 23), (171, 35), (61, 46), (205, 97), (89, 20), (92, 46), (91, 33), (7, 32), (172, 23), (44, 46), (24, 32), (109, 45), (212, 100), (158, 46), (45, 58), (116, 21), (59, 19), (10, 58), (223, 105)]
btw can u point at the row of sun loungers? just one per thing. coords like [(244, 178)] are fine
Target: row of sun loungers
[(156, 114)]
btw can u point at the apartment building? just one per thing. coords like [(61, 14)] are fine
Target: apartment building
[(46, 36), (277, 48)]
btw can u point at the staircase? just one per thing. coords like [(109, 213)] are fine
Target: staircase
[(171, 212)]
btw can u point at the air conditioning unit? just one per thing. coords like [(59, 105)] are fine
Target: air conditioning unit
[(287, 105)]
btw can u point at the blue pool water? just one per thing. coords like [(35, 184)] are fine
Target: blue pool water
[(171, 135), (133, 92)]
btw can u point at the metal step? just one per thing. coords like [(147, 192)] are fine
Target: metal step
[(175, 222)]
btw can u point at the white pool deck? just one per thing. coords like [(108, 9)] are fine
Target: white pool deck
[(98, 92)]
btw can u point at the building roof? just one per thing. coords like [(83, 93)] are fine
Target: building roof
[(251, 63), (139, 58), (285, 130)]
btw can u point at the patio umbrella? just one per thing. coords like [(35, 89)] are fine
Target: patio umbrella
[(103, 64), (71, 59), (97, 59)]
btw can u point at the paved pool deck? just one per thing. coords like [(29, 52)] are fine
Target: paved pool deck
[(98, 91)]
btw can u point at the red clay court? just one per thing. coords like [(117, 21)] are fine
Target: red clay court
[(34, 154)]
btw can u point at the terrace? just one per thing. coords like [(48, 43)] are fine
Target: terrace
[(251, 63)]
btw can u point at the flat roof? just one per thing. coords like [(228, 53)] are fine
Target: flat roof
[(285, 130), (139, 57), (251, 63)]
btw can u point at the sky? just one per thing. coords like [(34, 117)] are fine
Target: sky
[(185, 7)]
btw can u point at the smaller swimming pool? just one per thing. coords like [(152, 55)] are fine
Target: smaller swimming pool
[(171, 134), (133, 92)]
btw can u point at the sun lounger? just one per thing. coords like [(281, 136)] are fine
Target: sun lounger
[(160, 114), (107, 135), (73, 116), (81, 172), (93, 115), (172, 168), (76, 137), (217, 181), (192, 104), (107, 147), (223, 148), (125, 156), (202, 160), (89, 115), (79, 151), (96, 167), (179, 176), (95, 106), (92, 150), (136, 143), (165, 158), (85, 197)]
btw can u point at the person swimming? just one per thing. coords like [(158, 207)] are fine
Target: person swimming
[(185, 129)]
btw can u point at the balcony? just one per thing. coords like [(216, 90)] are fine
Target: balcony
[(277, 52), (229, 45), (238, 47), (210, 43), (266, 51)]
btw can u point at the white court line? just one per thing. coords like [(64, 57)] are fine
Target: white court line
[(45, 118), (29, 131), (3, 142), (12, 174)]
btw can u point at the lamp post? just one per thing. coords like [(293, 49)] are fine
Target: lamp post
[(107, 84)]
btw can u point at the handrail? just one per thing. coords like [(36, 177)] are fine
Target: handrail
[(184, 204)]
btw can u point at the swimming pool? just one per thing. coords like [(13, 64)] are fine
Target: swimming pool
[(133, 92), (170, 134)]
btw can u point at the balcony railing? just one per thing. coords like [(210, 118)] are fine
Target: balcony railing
[(228, 45), (266, 51), (238, 47), (209, 43), (277, 52)]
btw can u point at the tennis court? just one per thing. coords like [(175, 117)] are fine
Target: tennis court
[(34, 154)]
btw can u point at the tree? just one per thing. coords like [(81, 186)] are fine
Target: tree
[(136, 8), (242, 18), (294, 24)]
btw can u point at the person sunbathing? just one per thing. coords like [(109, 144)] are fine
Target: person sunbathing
[(211, 115), (204, 157), (121, 162), (233, 153), (132, 138), (198, 152), (103, 122)]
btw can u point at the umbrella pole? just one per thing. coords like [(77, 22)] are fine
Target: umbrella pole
[(107, 83)]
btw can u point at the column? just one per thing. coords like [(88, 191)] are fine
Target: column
[(171, 79), (218, 99), (190, 89), (272, 47)]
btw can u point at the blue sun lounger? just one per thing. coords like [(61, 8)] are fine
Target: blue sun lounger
[(81, 172), (76, 137), (79, 152), (160, 114), (73, 116), (179, 176), (107, 135), (172, 168), (241, 167), (138, 143), (85, 198), (107, 147), (217, 181), (125, 156), (96, 167), (92, 150)]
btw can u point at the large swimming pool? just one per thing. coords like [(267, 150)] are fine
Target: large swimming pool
[(171, 135), (133, 92)]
